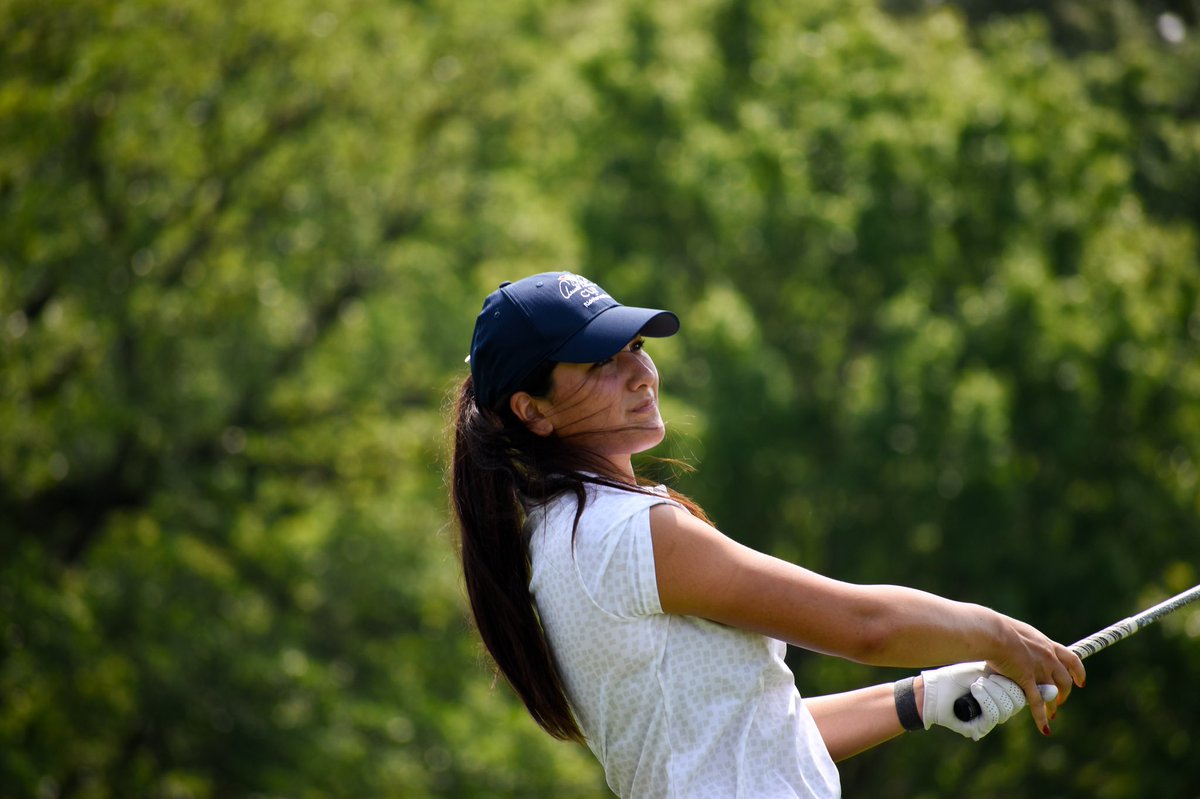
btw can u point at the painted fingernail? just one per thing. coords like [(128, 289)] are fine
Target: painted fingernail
[(1046, 730)]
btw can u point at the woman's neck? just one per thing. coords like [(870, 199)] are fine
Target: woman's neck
[(619, 469)]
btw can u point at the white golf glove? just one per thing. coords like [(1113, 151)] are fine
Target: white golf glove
[(999, 698)]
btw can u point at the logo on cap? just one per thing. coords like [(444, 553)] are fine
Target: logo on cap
[(569, 285)]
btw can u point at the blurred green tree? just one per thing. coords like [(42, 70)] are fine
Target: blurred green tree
[(231, 239), (938, 276)]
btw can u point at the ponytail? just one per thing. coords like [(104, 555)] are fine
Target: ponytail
[(496, 463), (495, 561)]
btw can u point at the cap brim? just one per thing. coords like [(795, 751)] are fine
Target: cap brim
[(608, 332)]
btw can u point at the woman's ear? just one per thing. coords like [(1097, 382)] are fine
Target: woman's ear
[(525, 407)]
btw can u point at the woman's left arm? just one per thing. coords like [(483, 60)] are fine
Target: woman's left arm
[(854, 721), (701, 572)]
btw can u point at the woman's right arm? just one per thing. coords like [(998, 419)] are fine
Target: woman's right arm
[(701, 572)]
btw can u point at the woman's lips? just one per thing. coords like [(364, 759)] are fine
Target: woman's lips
[(647, 406)]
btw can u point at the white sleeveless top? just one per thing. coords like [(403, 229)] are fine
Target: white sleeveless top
[(673, 706)]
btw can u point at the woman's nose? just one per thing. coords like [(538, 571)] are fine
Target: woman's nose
[(642, 371)]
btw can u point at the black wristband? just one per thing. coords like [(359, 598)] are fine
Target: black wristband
[(906, 704)]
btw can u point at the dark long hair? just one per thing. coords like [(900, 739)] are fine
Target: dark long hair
[(497, 461)]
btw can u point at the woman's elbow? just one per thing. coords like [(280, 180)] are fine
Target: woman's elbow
[(873, 637)]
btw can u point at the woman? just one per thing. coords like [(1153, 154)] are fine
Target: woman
[(626, 621)]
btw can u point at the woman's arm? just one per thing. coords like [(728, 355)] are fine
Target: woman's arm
[(854, 721), (701, 572)]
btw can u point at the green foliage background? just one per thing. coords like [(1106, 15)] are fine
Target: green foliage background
[(938, 271)]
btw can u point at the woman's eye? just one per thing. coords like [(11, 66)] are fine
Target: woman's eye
[(635, 346)]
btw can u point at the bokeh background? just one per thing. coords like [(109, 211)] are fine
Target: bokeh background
[(937, 264)]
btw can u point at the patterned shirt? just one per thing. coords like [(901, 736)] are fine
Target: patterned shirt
[(673, 706)]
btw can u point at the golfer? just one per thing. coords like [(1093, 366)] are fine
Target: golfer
[(626, 621)]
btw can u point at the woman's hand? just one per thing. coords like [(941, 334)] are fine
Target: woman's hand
[(1029, 659)]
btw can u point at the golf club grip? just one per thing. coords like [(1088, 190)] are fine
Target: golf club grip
[(967, 708)]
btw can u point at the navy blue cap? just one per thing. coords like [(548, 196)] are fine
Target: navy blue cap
[(554, 316)]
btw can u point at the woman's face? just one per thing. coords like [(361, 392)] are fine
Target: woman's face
[(610, 408)]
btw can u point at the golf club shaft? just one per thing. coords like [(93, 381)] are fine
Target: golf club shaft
[(1127, 627), (966, 708)]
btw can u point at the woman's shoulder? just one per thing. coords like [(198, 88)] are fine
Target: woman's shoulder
[(608, 499), (600, 502)]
